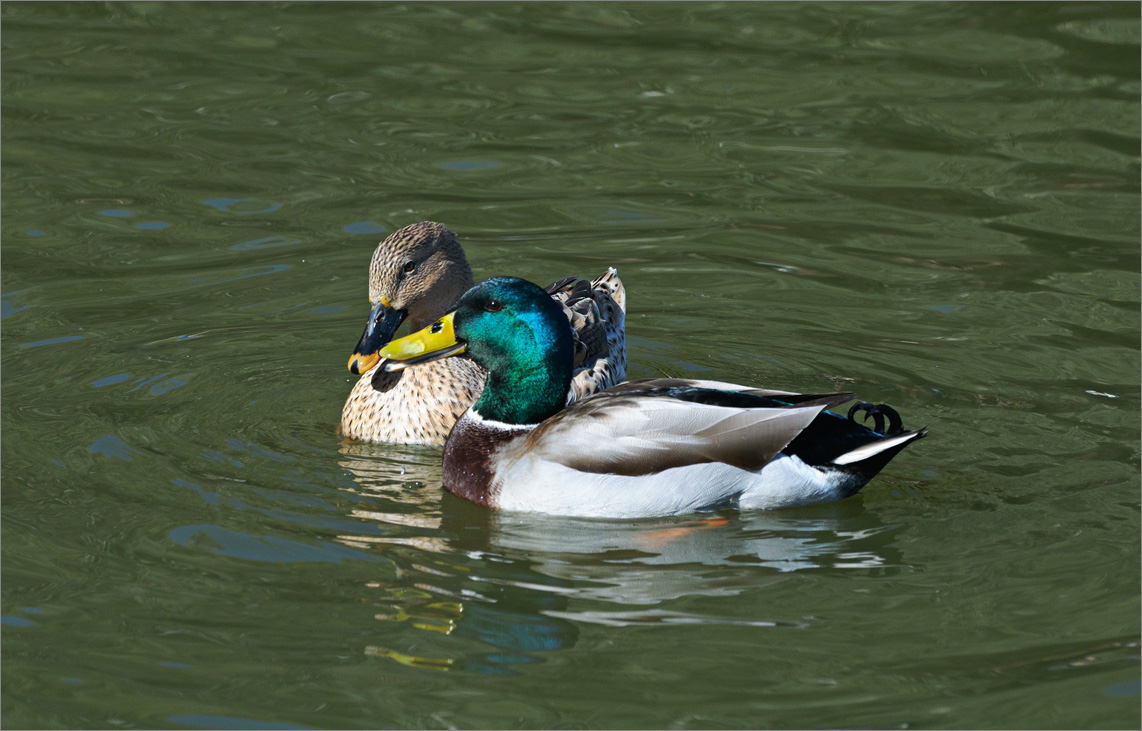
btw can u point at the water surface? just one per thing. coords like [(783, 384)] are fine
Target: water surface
[(933, 205)]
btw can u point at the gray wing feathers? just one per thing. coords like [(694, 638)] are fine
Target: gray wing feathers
[(629, 435)]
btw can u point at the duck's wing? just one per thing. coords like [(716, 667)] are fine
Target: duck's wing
[(729, 394), (648, 426), (597, 313)]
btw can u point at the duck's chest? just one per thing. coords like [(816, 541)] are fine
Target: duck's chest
[(412, 406), (470, 457)]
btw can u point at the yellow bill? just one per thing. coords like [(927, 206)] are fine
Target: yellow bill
[(434, 342)]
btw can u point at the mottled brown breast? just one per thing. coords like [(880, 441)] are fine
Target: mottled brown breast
[(414, 406)]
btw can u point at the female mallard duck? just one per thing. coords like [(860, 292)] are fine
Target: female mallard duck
[(417, 274), (645, 448)]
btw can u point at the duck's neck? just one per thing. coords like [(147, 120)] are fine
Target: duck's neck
[(527, 386)]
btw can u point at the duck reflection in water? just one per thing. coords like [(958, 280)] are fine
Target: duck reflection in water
[(471, 624), (496, 590)]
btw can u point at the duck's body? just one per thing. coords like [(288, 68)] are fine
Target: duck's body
[(668, 447), (645, 448), (417, 274)]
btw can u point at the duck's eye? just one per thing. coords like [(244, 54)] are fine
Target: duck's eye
[(409, 267), (493, 306)]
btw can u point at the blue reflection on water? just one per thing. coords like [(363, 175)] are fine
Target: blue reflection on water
[(7, 308), (112, 446), (1124, 690), (265, 548), (514, 631), (230, 205), (116, 213), (168, 385), (363, 227), (257, 450), (52, 341), (157, 388), (144, 381), (338, 524), (212, 498), (111, 380), (9, 621), (326, 309)]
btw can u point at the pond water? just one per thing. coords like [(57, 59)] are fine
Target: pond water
[(933, 205)]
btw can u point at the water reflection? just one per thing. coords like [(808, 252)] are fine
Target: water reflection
[(440, 588), (437, 589), (509, 587), (398, 479), (490, 633), (655, 561)]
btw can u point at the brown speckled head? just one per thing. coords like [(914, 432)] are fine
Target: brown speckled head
[(422, 269)]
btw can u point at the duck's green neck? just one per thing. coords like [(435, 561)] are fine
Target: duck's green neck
[(525, 385), (522, 338)]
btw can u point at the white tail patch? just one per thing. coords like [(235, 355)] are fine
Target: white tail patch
[(871, 450)]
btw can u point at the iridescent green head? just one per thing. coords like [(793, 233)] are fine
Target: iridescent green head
[(517, 333)]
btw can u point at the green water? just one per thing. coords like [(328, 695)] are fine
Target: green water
[(934, 205)]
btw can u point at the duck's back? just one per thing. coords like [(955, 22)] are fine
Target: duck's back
[(597, 312)]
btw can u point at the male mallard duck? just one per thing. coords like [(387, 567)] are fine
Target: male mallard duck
[(417, 274), (645, 448)]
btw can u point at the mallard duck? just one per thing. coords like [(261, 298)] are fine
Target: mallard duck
[(417, 274), (645, 448)]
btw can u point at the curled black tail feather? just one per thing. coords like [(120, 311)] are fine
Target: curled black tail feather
[(878, 412)]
